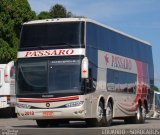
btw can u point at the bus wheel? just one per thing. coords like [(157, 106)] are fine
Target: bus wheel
[(101, 120), (109, 114), (42, 123), (141, 115)]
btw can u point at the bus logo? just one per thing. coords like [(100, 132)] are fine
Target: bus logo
[(47, 104)]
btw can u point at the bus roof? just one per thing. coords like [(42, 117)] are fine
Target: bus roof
[(85, 20)]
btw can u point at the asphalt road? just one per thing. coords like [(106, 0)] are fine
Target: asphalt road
[(13, 126)]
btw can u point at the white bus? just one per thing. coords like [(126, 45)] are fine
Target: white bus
[(7, 89), (78, 69), (155, 105)]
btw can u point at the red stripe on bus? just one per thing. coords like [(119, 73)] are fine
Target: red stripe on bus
[(47, 99)]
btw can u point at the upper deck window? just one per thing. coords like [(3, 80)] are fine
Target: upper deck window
[(52, 35)]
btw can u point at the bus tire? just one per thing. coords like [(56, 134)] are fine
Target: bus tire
[(140, 115), (42, 123), (101, 120), (109, 114)]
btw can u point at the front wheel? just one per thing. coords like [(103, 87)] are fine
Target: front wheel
[(104, 116), (109, 114), (100, 120)]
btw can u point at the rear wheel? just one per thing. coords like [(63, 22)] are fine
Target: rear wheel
[(42, 123), (139, 118), (141, 115)]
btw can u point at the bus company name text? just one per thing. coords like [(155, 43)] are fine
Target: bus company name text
[(49, 52), (118, 61)]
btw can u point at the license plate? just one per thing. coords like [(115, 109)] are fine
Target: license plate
[(47, 114)]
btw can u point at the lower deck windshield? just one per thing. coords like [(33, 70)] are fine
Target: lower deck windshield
[(48, 76)]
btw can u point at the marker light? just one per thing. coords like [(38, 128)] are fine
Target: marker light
[(84, 68), (7, 71)]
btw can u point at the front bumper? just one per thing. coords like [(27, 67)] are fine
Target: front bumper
[(59, 113)]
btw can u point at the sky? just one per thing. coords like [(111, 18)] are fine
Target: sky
[(139, 18)]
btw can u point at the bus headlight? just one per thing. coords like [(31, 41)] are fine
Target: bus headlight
[(74, 104), (23, 106)]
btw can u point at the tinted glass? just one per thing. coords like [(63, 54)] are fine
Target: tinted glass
[(48, 76), (118, 81), (157, 101), (12, 72), (32, 77), (52, 34), (64, 75)]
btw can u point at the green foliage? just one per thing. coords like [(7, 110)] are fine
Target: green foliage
[(154, 88), (12, 14), (6, 52), (44, 15), (56, 11)]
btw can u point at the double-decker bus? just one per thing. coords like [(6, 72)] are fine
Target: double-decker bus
[(78, 69)]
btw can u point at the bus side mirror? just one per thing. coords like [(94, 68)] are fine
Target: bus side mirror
[(89, 82), (7, 71), (84, 68)]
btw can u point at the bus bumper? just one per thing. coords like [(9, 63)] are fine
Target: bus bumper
[(61, 113)]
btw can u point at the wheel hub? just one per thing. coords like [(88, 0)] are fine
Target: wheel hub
[(100, 113), (109, 113)]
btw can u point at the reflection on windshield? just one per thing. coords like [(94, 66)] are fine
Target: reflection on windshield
[(48, 76), (33, 77), (64, 76)]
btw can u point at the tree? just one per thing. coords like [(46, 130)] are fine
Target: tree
[(56, 11), (59, 11), (154, 88), (12, 14), (44, 15)]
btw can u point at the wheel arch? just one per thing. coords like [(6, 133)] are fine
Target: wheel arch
[(105, 101)]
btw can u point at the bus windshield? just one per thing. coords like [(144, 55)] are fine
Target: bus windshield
[(64, 75), (49, 76), (54, 35)]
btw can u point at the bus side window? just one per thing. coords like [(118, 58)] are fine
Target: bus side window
[(12, 72)]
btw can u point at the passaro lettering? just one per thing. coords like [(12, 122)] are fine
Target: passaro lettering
[(49, 52)]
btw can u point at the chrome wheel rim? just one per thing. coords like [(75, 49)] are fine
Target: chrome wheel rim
[(100, 113), (109, 114), (138, 114), (143, 113)]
